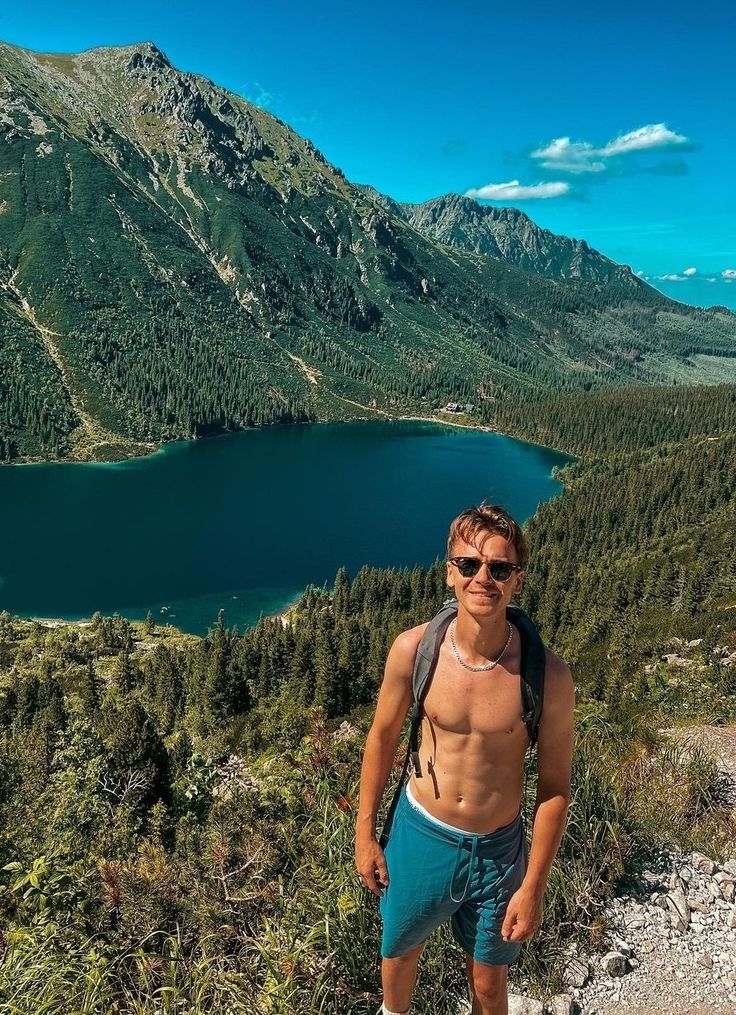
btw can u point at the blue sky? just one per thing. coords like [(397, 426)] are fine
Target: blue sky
[(612, 123)]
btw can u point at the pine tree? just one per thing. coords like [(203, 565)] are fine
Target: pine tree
[(125, 674), (327, 686), (219, 696), (341, 595), (89, 693)]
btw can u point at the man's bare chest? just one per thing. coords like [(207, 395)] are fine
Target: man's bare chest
[(487, 703)]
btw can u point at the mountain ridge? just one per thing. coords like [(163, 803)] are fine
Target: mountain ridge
[(176, 261), (507, 234), (510, 235)]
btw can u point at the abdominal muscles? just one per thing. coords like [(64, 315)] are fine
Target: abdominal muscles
[(472, 751)]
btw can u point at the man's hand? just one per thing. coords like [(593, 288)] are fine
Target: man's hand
[(370, 861), (523, 915)]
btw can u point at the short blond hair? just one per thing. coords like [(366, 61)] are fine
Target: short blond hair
[(494, 520)]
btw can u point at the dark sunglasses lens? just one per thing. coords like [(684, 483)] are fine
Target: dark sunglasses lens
[(501, 572), (468, 566)]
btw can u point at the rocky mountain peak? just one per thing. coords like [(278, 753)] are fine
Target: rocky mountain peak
[(458, 205), (140, 111), (150, 51), (510, 235)]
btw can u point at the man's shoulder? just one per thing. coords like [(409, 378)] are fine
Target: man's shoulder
[(407, 643), (555, 669), (403, 652), (557, 675)]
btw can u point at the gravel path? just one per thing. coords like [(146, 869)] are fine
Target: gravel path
[(677, 933), (677, 929), (672, 939)]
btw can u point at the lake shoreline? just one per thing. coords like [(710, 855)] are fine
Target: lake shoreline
[(156, 448), (54, 623)]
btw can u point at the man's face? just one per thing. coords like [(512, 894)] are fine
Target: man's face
[(481, 595)]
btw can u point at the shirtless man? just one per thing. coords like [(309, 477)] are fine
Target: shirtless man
[(457, 848)]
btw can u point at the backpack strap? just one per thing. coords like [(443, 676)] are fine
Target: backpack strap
[(531, 669), (425, 663), (533, 661)]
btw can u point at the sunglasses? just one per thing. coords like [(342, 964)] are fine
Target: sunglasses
[(499, 570)]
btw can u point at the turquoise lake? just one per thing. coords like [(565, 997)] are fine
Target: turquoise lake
[(245, 521)]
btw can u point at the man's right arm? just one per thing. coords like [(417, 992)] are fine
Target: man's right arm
[(394, 701)]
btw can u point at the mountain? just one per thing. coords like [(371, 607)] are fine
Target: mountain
[(508, 235), (175, 261), (511, 236)]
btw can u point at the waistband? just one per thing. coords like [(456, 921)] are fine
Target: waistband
[(501, 838)]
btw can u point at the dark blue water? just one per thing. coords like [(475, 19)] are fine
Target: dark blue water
[(245, 522)]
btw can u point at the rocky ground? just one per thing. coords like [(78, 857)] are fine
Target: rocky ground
[(672, 944), (671, 939), (671, 947)]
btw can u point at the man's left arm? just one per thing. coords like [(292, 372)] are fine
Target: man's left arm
[(554, 762)]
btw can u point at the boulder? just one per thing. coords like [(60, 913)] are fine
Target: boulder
[(679, 909), (520, 1005), (728, 890), (561, 1004), (614, 964), (702, 863), (676, 882)]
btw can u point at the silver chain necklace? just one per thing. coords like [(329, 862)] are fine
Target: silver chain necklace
[(485, 666)]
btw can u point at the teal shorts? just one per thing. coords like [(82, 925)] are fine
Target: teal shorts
[(439, 873)]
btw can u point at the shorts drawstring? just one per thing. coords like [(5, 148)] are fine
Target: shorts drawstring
[(473, 839)]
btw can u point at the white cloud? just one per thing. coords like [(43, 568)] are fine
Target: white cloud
[(690, 274), (583, 157), (653, 135), (570, 156), (515, 191)]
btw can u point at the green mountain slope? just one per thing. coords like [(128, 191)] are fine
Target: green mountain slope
[(175, 261)]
